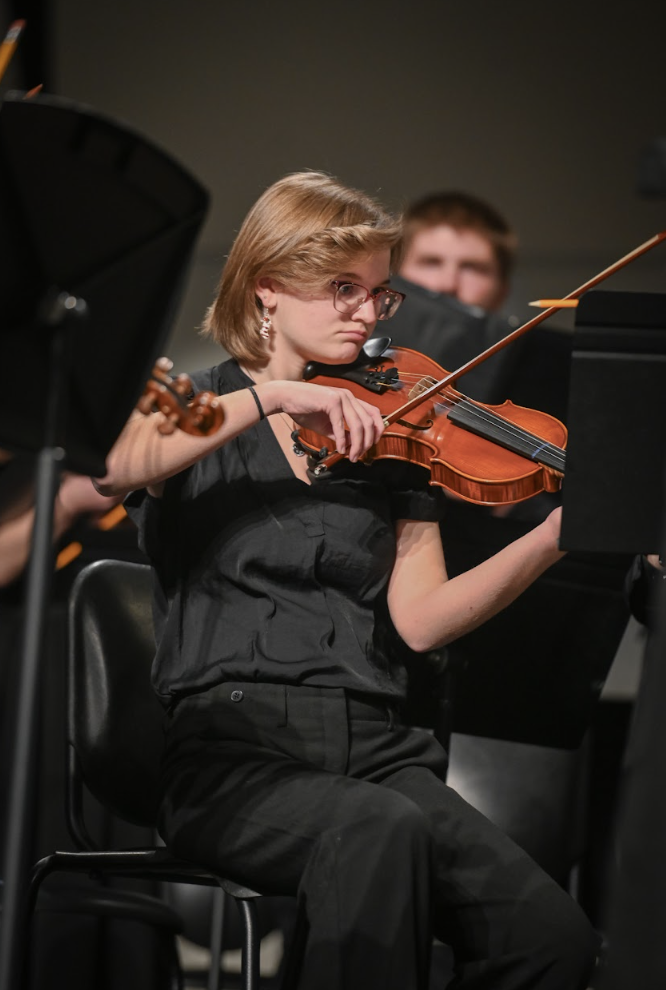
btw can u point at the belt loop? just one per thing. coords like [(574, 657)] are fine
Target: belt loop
[(391, 718)]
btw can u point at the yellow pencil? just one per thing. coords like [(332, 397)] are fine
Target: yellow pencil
[(8, 46), (555, 303)]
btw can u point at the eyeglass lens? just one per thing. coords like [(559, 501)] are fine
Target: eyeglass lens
[(349, 297)]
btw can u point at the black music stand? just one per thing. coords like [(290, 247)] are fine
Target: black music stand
[(613, 489), (97, 226), (614, 499)]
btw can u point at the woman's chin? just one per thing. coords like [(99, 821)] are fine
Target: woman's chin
[(343, 352)]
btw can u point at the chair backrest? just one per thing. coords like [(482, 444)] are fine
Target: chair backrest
[(536, 794), (114, 720)]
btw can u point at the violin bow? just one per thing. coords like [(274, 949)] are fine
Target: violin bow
[(519, 331)]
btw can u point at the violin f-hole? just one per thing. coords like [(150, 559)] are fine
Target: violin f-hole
[(415, 426)]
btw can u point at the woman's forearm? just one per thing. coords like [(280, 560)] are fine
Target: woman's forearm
[(142, 457), (430, 611)]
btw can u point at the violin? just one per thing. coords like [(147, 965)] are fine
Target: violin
[(489, 455), (198, 414), (486, 454)]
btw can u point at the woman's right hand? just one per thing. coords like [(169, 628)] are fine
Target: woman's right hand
[(353, 425)]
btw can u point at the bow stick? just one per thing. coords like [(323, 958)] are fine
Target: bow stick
[(519, 331)]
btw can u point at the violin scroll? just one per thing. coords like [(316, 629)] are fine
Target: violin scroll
[(201, 415)]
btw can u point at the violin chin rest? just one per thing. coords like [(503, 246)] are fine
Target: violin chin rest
[(371, 350), (376, 346)]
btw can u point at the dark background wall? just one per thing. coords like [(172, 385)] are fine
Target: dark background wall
[(542, 108)]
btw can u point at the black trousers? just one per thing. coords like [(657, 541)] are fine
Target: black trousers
[(306, 791)]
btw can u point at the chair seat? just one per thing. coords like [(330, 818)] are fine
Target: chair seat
[(155, 862)]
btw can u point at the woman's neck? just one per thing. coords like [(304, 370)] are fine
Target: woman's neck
[(277, 368)]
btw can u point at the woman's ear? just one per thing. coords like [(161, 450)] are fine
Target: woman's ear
[(266, 291)]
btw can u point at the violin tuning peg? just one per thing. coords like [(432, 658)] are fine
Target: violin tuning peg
[(161, 369), (182, 384)]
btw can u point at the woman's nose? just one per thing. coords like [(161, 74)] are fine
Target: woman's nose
[(366, 311), (448, 281)]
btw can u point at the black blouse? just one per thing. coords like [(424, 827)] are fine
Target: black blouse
[(263, 577)]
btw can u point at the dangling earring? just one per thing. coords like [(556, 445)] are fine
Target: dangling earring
[(266, 324)]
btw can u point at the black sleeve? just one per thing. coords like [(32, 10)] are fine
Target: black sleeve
[(145, 511), (410, 492)]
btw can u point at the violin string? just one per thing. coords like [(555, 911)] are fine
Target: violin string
[(509, 429), (515, 438), (487, 417)]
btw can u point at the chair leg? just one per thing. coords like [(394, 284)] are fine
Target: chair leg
[(294, 949), (216, 934), (250, 957), (26, 909)]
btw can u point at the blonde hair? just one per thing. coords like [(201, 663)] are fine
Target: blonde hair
[(302, 232)]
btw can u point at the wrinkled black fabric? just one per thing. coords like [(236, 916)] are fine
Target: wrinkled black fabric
[(261, 577), (288, 790)]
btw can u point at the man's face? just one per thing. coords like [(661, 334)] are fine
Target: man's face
[(460, 263)]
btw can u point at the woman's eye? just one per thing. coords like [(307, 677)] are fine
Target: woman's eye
[(346, 289)]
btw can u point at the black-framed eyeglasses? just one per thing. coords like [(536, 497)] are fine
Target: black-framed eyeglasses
[(350, 296)]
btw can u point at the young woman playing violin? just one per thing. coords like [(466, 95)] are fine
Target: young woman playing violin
[(286, 763)]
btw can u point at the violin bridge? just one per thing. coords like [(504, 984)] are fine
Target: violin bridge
[(420, 387)]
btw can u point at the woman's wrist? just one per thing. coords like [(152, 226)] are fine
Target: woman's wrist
[(269, 396), (547, 537), (257, 401)]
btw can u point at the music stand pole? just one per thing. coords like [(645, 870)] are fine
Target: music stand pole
[(22, 791), (90, 205)]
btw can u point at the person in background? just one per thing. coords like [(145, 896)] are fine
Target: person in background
[(76, 497), (77, 508), (459, 245), (458, 261)]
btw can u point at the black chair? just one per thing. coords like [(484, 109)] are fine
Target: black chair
[(535, 794), (114, 742)]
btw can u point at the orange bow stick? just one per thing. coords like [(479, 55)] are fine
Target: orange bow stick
[(8, 46)]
